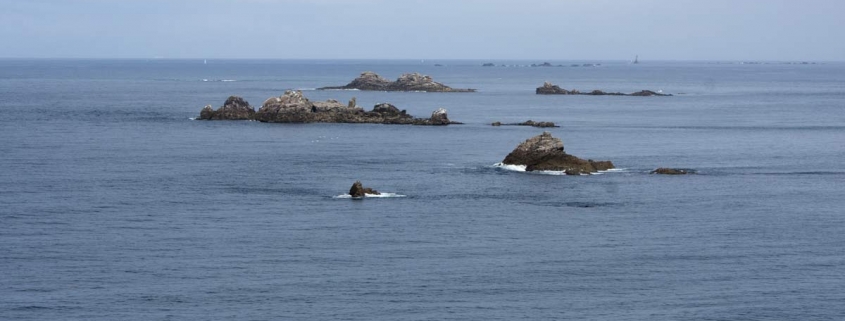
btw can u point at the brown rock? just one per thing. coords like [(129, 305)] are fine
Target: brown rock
[(293, 107), (544, 152), (358, 190), (235, 108)]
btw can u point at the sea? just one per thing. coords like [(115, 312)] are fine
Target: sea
[(116, 204)]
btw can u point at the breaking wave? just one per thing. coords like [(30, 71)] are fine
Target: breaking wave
[(522, 168)]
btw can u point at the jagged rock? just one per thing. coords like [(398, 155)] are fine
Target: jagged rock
[(293, 107), (207, 112), (496, 123), (386, 109), (489, 64), (407, 82), (671, 171), (550, 89), (368, 80), (544, 152), (352, 103), (235, 108), (439, 117), (358, 190)]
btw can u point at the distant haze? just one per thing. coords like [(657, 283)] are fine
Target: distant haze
[(809, 30)]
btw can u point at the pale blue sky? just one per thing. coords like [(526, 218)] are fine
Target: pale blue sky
[(415, 29)]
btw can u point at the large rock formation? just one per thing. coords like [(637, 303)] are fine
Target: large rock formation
[(369, 80), (549, 89), (293, 107), (545, 153), (235, 108), (358, 190)]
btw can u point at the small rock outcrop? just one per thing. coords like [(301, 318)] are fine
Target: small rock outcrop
[(671, 171), (235, 108), (540, 124), (550, 89), (293, 107), (369, 80), (545, 153), (358, 190)]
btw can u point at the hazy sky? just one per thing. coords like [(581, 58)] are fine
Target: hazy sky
[(448, 29)]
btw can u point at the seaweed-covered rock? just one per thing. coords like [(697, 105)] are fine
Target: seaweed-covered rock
[(544, 152), (540, 124), (671, 171)]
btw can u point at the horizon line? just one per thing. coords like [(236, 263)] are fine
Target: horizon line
[(414, 59)]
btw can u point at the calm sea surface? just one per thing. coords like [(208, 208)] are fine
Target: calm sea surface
[(115, 205)]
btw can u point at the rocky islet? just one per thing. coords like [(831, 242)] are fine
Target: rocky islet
[(551, 89), (371, 81), (294, 107), (545, 153)]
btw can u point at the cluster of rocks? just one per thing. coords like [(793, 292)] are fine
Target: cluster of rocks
[(293, 107), (545, 153), (371, 81), (541, 124), (551, 89)]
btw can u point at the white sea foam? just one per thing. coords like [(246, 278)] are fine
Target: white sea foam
[(228, 80), (382, 195), (306, 89), (508, 167), (522, 168), (192, 118)]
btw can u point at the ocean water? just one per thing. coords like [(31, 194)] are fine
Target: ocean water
[(116, 205)]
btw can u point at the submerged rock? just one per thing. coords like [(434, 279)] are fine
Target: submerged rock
[(550, 89), (293, 107), (540, 124), (358, 190), (544, 152), (235, 108), (671, 171), (369, 80)]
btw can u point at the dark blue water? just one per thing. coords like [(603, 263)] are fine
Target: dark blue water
[(114, 205)]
